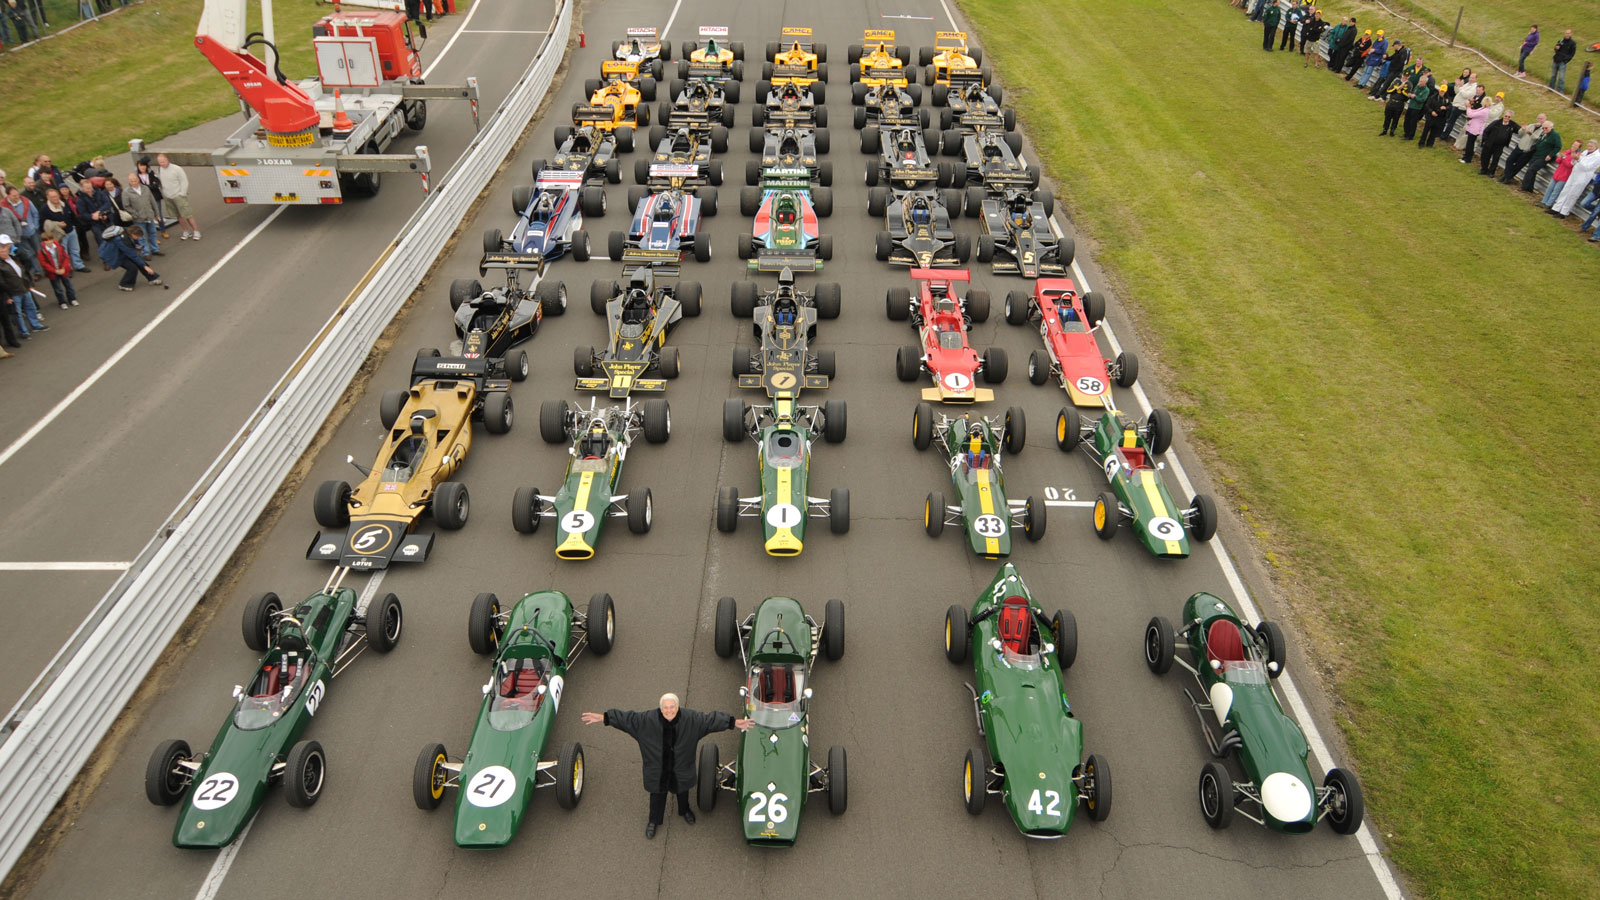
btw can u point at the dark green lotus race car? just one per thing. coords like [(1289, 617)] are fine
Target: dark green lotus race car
[(972, 445), (533, 645), (1234, 666), (259, 743), (1125, 453), (784, 433), (1032, 741), (774, 771)]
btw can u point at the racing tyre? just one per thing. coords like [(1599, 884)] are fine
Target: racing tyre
[(827, 363), (825, 247), (640, 512), (915, 90), (821, 50), (1017, 310), (305, 771), (600, 623), (601, 293), (940, 94), (260, 622), (1216, 795), (994, 365), (427, 777), (552, 295), (1065, 626), (963, 247), (903, 52), (897, 302), (947, 171), (1016, 430), (384, 621), (331, 505), (636, 195), (743, 299), (1159, 645), (497, 412), (951, 199), (625, 141), (858, 99), (1097, 788), (838, 781), (1046, 198), (569, 775), (947, 120), (907, 363), (749, 198), (1009, 119), (824, 170), (985, 248), (702, 247), (1107, 516), (483, 624), (745, 245), (733, 415), (1345, 805), (714, 171), (727, 509), (976, 781), (974, 205), (553, 421), (834, 415), (647, 86), (521, 196), (451, 505), (752, 176), (950, 142), (708, 208), (828, 299), (1158, 430), (463, 290), (933, 514), (1094, 308), (823, 141), (877, 205), (493, 240), (1202, 518), (839, 510), (922, 426), (957, 633), (819, 92), (667, 365), (689, 296), (833, 630), (618, 240), (1038, 367), (706, 787), (873, 174), (425, 353), (164, 782), (1277, 647), (822, 200), (1068, 431), (1033, 519), (871, 141), (1033, 176), (657, 421), (592, 200), (1012, 139), (727, 111), (517, 367), (758, 118), (726, 636), (525, 509), (641, 171), (1127, 366)]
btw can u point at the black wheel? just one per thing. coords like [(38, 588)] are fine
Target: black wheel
[(1202, 518), (745, 246), (839, 509), (657, 421), (835, 421), (742, 299), (260, 621), (1065, 626), (1159, 648), (450, 505), (1158, 430), (1016, 430), (463, 290), (640, 512), (553, 421), (569, 775), (995, 365), (829, 298), (749, 200), (1017, 307), (1216, 795), (688, 297), (742, 362), (383, 623), (833, 630), (1277, 647), (825, 247), (641, 170), (933, 514), (838, 781), (592, 201), (985, 248), (1094, 308), (976, 779), (428, 777), (1107, 516), (871, 142), (702, 247), (922, 426), (1096, 788), (331, 505), (601, 293), (727, 509), (963, 247), (957, 633), (417, 115), (667, 364), (877, 201), (164, 780), (1038, 367), (1127, 366), (907, 363), (390, 406), (883, 248), (583, 361), (426, 353), (618, 241), (733, 416), (497, 412), (1034, 519), (525, 509), (822, 201), (625, 141), (305, 771), (827, 363), (706, 786), (600, 623), (1068, 431), (727, 627), (1345, 804), (483, 624), (517, 367), (521, 196), (636, 195)]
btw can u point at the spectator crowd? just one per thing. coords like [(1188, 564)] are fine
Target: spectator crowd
[(1423, 106)]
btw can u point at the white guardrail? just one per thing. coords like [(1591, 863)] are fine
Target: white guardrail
[(54, 729)]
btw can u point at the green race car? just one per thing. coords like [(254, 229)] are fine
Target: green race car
[(259, 743), (600, 440), (784, 433), (774, 772), (1234, 666), (973, 444), (533, 645), (1032, 741), (1126, 453)]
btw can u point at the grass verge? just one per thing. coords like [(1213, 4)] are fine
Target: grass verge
[(1497, 27), (1386, 358)]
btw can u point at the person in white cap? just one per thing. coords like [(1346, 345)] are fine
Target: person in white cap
[(24, 312)]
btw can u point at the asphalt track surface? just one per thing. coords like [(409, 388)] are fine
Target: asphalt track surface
[(894, 702)]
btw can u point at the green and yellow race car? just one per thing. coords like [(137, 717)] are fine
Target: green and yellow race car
[(784, 432), (972, 445)]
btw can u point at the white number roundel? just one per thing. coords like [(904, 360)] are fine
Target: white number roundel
[(1165, 529), (491, 786), (989, 526), (957, 381), (1089, 385), (577, 522), (216, 791), (783, 515)]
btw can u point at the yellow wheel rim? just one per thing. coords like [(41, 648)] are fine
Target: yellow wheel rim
[(438, 782), (1061, 428), (968, 770), (947, 633), (1099, 514), (927, 514)]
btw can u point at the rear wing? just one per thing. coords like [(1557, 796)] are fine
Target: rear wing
[(774, 178), (877, 35), (950, 40), (940, 275), (647, 35), (713, 31), (522, 262), (558, 180), (797, 32), (618, 68)]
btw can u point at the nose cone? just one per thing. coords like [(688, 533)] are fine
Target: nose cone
[(1286, 798)]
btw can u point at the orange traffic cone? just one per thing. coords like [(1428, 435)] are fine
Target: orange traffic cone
[(341, 122)]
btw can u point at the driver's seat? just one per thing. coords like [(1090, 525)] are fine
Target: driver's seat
[(1015, 625), (1224, 643)]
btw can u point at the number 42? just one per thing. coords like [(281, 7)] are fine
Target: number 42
[(1050, 805)]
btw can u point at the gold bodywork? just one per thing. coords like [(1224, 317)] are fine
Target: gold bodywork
[(418, 453)]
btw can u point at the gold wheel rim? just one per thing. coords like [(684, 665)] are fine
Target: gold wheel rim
[(437, 781), (1099, 514)]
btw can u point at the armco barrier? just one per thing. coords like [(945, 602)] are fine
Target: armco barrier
[(56, 728)]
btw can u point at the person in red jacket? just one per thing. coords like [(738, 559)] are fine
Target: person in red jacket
[(56, 263)]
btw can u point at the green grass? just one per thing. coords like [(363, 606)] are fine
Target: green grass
[(1387, 360), (1497, 27)]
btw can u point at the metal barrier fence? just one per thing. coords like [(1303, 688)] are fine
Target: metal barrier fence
[(57, 726)]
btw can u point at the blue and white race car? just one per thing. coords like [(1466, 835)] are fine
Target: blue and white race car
[(666, 226), (550, 222)]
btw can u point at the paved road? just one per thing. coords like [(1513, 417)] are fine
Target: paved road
[(98, 481), (893, 701)]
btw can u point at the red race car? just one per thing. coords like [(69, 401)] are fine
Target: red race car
[(1068, 320), (942, 319)]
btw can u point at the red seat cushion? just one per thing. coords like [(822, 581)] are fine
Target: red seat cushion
[(1136, 458), (519, 684), (1223, 642), (1016, 625), (778, 686)]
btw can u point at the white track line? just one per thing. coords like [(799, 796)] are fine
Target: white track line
[(452, 42), (63, 566), (670, 19), (500, 31)]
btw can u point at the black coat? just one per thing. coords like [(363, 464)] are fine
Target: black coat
[(645, 726), (1566, 48), (1498, 135)]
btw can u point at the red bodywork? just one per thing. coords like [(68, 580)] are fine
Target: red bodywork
[(1070, 341), (946, 353)]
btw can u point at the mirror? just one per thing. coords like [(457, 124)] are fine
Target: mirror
[(542, 689), (744, 691), (1273, 666), (488, 687), (1049, 648), (238, 691), (447, 462), (350, 459), (806, 693), (1216, 665)]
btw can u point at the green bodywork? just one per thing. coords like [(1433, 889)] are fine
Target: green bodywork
[(774, 759), (249, 750), (1124, 458), (785, 460), (502, 765), (1034, 740), (590, 483), (973, 450)]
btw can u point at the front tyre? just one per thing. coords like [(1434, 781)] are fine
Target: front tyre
[(957, 633), (1345, 805), (1096, 788), (428, 777), (976, 779), (164, 780), (569, 775), (706, 788), (483, 624), (383, 623), (1216, 795), (305, 771)]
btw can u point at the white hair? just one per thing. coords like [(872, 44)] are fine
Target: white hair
[(669, 696)]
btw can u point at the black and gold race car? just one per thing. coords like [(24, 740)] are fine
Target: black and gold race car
[(639, 318)]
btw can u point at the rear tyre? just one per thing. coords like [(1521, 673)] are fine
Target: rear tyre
[(331, 505), (985, 248), (600, 294), (897, 301), (727, 627), (517, 367), (1016, 430), (1017, 307), (657, 421), (164, 782), (640, 512), (1094, 308), (1127, 366), (933, 514), (838, 781), (427, 777), (483, 624), (833, 630), (463, 290), (1345, 804), (743, 299), (553, 421), (834, 421), (907, 363), (384, 621), (976, 779), (1158, 430), (497, 412), (667, 365), (994, 365), (569, 775), (389, 407), (1038, 367), (1159, 645), (733, 416), (689, 296), (1096, 787), (706, 787), (957, 633), (304, 773), (450, 505), (260, 621), (1216, 795), (600, 623)]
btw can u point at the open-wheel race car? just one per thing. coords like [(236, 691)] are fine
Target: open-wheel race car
[(973, 108), (888, 106), (785, 233), (599, 439), (259, 744), (617, 104), (713, 57), (644, 46), (905, 160), (533, 645), (550, 217), (700, 105), (774, 772), (952, 64), (788, 106), (1125, 453), (796, 60), (666, 226), (785, 320), (942, 320), (1234, 665), (682, 158), (878, 61), (590, 152), (784, 433), (989, 159), (427, 434), (642, 76), (490, 323), (1067, 320), (1017, 237), (638, 318), (789, 148), (972, 446), (1019, 659), (918, 228)]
